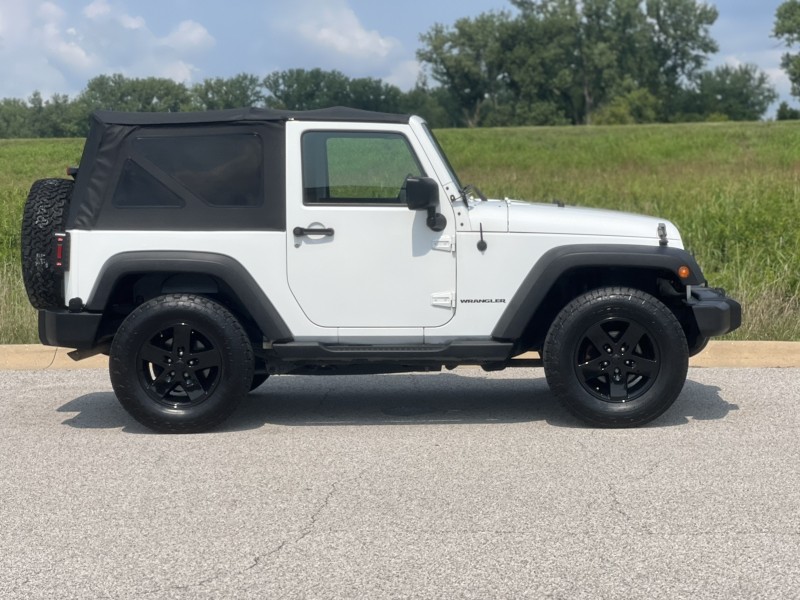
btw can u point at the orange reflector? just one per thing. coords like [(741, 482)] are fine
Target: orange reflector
[(684, 272)]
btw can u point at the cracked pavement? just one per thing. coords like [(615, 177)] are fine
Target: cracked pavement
[(461, 484)]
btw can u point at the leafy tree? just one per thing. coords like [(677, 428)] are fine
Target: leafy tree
[(681, 43), (741, 93), (636, 105), (787, 29), (301, 89), (15, 119), (55, 117), (436, 105), (540, 56), (467, 60), (151, 94), (566, 59), (368, 93), (235, 92), (786, 113)]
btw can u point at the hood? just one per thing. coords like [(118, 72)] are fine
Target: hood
[(515, 216)]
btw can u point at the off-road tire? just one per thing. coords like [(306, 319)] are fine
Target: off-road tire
[(45, 214), (616, 357), (181, 363)]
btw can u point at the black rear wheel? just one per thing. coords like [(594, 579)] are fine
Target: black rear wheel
[(616, 357), (181, 363)]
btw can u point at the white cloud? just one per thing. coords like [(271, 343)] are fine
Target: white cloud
[(780, 80), (334, 27), (339, 29), (405, 74), (129, 22), (177, 71), (96, 9), (189, 36), (50, 12), (45, 50), (15, 20), (68, 53)]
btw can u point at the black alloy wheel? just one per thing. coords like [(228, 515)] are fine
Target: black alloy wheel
[(617, 360), (616, 357), (180, 366), (181, 363)]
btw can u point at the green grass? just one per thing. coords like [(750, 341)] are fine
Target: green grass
[(21, 163), (732, 189)]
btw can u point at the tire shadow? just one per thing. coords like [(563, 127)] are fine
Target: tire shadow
[(436, 399), (698, 402), (100, 410)]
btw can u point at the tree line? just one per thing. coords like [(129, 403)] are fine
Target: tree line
[(550, 62), (294, 89)]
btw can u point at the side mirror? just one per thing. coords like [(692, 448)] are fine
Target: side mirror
[(422, 193)]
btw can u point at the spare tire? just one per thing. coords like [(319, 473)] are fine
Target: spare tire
[(45, 214)]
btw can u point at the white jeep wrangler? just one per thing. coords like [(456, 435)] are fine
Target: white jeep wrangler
[(204, 252)]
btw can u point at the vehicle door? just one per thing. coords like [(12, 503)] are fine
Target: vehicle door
[(356, 255)]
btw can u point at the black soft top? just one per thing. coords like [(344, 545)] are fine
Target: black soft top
[(336, 113), (113, 166)]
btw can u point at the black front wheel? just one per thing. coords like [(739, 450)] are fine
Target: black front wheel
[(616, 357), (181, 363)]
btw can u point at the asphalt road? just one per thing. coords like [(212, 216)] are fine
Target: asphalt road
[(451, 485)]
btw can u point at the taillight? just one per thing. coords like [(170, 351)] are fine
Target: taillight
[(62, 252)]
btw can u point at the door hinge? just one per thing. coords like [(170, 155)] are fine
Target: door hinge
[(445, 243), (443, 299)]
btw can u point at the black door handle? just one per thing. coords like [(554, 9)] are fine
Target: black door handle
[(301, 231)]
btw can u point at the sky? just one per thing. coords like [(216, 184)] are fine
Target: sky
[(56, 46)]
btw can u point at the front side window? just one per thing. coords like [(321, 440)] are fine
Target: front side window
[(356, 168)]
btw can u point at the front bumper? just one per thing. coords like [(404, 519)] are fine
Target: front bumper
[(714, 312), (69, 329)]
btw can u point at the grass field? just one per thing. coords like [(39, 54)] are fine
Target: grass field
[(732, 189)]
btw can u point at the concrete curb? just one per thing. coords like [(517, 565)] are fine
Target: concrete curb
[(785, 355)]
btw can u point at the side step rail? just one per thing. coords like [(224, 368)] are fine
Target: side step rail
[(460, 352)]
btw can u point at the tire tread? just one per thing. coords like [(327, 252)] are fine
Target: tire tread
[(560, 376), (45, 214), (125, 383)]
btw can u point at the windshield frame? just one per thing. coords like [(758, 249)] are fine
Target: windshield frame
[(450, 171)]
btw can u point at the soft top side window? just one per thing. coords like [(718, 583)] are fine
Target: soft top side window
[(342, 167), (222, 170)]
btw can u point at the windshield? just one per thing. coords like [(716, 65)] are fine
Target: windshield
[(447, 164)]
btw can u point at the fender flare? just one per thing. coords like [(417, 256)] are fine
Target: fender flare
[(557, 261), (221, 266)]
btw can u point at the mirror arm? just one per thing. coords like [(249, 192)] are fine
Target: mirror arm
[(436, 221)]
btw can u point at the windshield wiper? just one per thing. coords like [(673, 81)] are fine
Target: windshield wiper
[(469, 188)]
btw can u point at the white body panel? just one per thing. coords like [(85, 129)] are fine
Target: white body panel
[(488, 280), (262, 253), (384, 276), (550, 219)]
